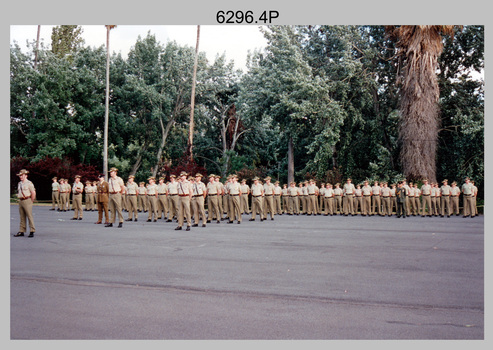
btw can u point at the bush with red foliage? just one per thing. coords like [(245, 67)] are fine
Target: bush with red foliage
[(42, 172), (183, 164)]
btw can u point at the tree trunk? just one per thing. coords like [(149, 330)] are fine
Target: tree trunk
[(192, 100), (165, 132), (107, 103), (290, 160)]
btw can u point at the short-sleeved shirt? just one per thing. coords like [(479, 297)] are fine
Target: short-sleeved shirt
[(25, 189), (115, 184), (132, 188)]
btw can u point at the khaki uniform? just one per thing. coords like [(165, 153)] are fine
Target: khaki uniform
[(152, 201), (376, 201), (184, 194), (433, 201), (55, 195), (467, 196), (173, 201), (64, 196), (294, 205), (277, 200), (426, 199), (220, 196), (329, 201), (445, 199), (269, 200), (162, 200), (304, 200), (454, 199), (257, 191), (245, 208), (213, 212), (198, 199), (234, 193), (367, 192), (348, 192), (77, 190), (26, 193), (358, 201), (102, 200), (89, 197), (142, 198), (311, 205), (386, 204), (132, 207), (393, 200), (115, 198), (285, 201)]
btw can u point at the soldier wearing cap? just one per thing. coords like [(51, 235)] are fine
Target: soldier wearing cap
[(467, 194), (173, 201), (184, 198), (304, 199), (367, 193), (162, 199), (433, 199), (257, 191), (425, 197), (277, 198), (348, 193), (321, 199), (55, 194), (357, 199), (220, 194), (301, 198), (115, 184), (393, 198), (386, 204), (234, 190), (199, 191), (311, 205), (77, 190), (26, 193), (132, 191), (445, 198), (213, 212), (152, 199), (226, 199), (102, 200), (142, 197), (285, 199), (338, 199), (474, 197), (88, 196), (454, 198), (268, 198), (63, 195), (329, 200), (376, 199), (245, 191), (293, 205)]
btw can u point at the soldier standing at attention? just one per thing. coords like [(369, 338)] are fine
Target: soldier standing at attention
[(142, 197), (454, 198), (63, 195), (132, 189), (445, 198), (401, 199), (321, 195), (226, 199), (220, 193), (367, 192), (348, 192), (417, 195), (102, 200), (152, 199), (305, 203), (95, 195), (268, 198), (411, 209), (245, 191), (77, 190), (376, 193), (277, 198), (184, 198), (386, 205), (213, 212), (433, 199), (257, 191), (474, 197), (198, 200), (293, 205), (393, 198), (467, 192), (329, 200), (406, 192), (55, 194), (162, 200), (115, 184), (426, 198), (234, 193), (88, 195), (172, 198), (338, 199), (285, 199), (311, 205), (26, 193)]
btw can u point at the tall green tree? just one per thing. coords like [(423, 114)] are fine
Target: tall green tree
[(66, 40)]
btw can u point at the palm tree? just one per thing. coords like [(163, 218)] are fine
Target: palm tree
[(418, 49), (107, 104)]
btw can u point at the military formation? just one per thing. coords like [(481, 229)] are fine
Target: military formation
[(185, 198)]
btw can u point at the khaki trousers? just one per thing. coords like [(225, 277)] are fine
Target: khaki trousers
[(114, 205), (376, 205), (184, 210), (386, 206), (162, 205), (426, 203), (257, 207), (338, 204), (454, 205), (366, 209), (152, 208), (132, 206), (269, 206), (55, 199), (198, 209), (348, 204), (445, 202), (468, 205), (329, 205), (277, 204), (285, 204), (234, 208), (245, 208), (213, 212), (77, 204), (173, 206), (26, 212)]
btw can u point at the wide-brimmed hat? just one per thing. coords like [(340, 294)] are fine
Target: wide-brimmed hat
[(183, 173), (199, 175), (113, 169), (23, 172)]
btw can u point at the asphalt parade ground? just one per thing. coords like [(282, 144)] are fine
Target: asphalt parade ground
[(293, 278)]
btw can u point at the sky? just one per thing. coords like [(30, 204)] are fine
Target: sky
[(234, 41)]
